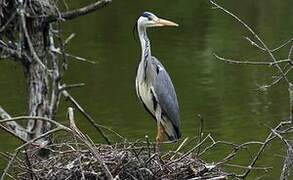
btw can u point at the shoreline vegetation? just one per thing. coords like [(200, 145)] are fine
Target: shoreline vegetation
[(31, 35)]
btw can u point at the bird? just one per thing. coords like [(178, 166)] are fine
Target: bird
[(153, 84)]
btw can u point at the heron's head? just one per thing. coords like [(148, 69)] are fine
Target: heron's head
[(148, 19)]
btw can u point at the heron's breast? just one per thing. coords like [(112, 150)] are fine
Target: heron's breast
[(146, 96)]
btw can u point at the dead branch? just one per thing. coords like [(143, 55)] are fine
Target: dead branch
[(255, 36), (291, 101), (13, 127), (87, 141), (249, 62), (31, 47), (287, 167), (87, 116), (77, 58), (284, 126), (126, 160), (79, 12)]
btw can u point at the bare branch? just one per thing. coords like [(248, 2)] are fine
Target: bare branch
[(87, 141), (33, 117), (291, 101), (70, 86), (55, 94), (255, 35), (13, 127), (88, 117), (254, 44), (8, 165), (276, 81), (78, 58), (283, 45), (8, 21), (253, 168), (269, 138), (31, 47), (232, 61), (68, 39), (273, 50), (287, 167), (79, 12)]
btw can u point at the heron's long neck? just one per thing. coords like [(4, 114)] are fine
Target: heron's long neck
[(145, 43)]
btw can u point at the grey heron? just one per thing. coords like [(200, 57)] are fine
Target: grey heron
[(153, 84)]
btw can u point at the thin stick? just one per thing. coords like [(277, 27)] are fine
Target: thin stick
[(31, 47), (245, 167), (34, 117), (200, 132), (9, 164), (7, 22), (232, 61), (256, 36), (13, 127), (84, 139), (88, 117), (291, 101), (179, 148), (79, 12)]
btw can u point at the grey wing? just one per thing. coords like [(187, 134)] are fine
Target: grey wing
[(166, 94)]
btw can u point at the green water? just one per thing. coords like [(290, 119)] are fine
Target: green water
[(225, 95)]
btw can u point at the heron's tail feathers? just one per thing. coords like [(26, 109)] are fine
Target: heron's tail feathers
[(172, 131)]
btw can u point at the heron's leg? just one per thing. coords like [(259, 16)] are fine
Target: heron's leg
[(160, 129), (160, 133), (160, 136)]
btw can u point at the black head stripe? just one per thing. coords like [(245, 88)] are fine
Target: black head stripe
[(147, 15)]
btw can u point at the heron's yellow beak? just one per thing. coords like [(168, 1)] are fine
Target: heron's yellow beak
[(164, 22)]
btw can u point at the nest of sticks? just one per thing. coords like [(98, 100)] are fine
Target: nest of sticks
[(136, 160), (74, 156)]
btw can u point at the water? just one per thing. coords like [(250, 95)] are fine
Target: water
[(225, 95)]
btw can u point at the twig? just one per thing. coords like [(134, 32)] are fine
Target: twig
[(30, 44), (179, 148), (9, 164), (254, 44), (70, 86), (283, 45), (14, 127), (287, 167), (55, 95), (33, 117), (255, 35), (30, 142), (88, 117), (269, 138), (79, 12), (272, 50), (245, 167), (291, 101), (7, 22), (264, 87), (84, 139), (200, 132), (232, 61), (81, 59), (192, 149), (68, 39)]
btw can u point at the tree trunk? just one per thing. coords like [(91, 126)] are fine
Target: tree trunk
[(37, 79)]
